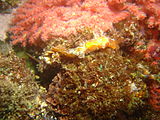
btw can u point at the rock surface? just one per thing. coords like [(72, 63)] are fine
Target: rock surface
[(5, 20)]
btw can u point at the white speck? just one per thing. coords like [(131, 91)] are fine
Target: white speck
[(133, 87)]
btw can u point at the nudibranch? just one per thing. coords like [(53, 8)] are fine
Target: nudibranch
[(89, 46), (92, 45), (97, 43)]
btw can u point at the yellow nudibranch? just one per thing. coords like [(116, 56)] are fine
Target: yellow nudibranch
[(93, 45), (100, 42)]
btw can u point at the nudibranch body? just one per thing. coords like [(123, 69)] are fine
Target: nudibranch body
[(97, 43), (93, 45)]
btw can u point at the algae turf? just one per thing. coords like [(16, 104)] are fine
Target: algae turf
[(20, 95), (97, 87)]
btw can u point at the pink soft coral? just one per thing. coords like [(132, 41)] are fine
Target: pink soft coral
[(37, 21)]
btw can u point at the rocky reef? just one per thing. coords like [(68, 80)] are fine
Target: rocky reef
[(80, 60)]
